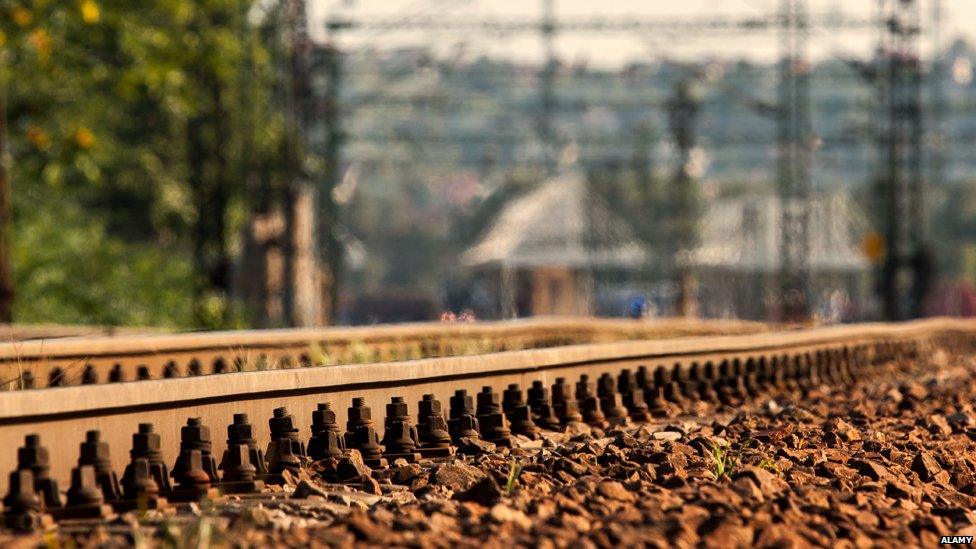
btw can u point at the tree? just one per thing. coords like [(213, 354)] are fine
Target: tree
[(141, 135)]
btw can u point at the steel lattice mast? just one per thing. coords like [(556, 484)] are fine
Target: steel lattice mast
[(794, 141), (904, 274)]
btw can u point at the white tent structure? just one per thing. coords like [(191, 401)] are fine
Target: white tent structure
[(742, 234), (544, 246), (737, 261)]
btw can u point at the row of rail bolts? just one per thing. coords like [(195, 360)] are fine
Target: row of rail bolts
[(89, 374), (96, 492), (58, 377)]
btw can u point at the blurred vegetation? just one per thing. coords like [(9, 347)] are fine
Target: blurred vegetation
[(69, 269), (144, 134), (141, 134)]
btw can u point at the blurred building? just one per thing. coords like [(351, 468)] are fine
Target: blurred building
[(737, 262), (265, 278), (278, 277), (545, 249)]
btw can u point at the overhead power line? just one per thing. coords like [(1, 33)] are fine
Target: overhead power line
[(835, 21)]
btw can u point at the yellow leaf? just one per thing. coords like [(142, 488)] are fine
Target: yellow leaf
[(90, 12), (21, 16), (84, 138), (37, 137), (41, 42)]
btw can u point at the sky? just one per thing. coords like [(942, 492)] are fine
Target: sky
[(612, 50)]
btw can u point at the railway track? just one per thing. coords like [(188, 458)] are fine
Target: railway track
[(66, 361), (623, 381)]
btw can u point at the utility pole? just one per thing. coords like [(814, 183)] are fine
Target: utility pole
[(303, 302), (547, 132), (937, 142), (793, 163), (906, 270), (330, 248), (683, 109), (937, 111), (6, 224)]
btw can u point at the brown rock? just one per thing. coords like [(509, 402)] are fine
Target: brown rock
[(730, 533), (668, 470), (574, 522), (351, 466), (767, 482), (842, 429), (571, 467), (667, 435), (457, 476), (370, 486), (748, 489), (835, 471), (869, 468), (834, 455), (772, 436), (901, 490), (474, 447), (306, 489), (960, 421), (805, 477), (419, 483), (439, 522), (502, 513), (937, 425), (485, 492), (615, 490), (624, 440), (363, 527), (703, 444), (815, 499), (405, 474)]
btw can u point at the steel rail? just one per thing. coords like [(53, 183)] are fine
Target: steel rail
[(62, 415), (75, 360)]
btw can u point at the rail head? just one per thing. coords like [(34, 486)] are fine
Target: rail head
[(159, 343)]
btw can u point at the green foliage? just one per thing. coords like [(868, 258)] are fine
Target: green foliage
[(140, 134), (71, 270), (723, 462), (514, 470), (768, 463)]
